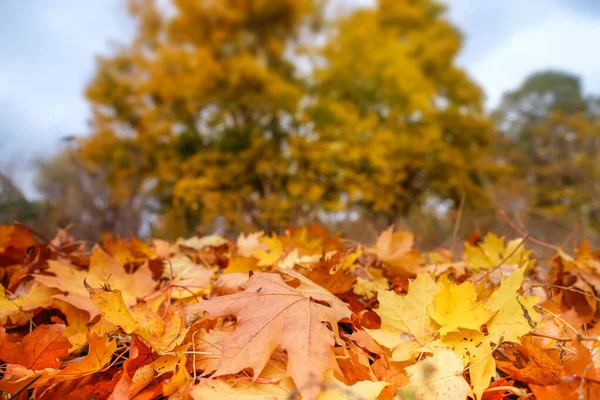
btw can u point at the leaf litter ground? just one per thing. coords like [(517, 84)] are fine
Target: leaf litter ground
[(298, 315)]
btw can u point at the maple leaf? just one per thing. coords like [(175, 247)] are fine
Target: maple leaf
[(271, 314), (395, 249), (492, 252), (333, 389), (15, 236), (42, 348), (274, 384), (27, 297), (205, 343), (581, 379), (163, 333), (246, 244), (128, 252), (331, 271), (515, 314), (238, 264), (99, 354), (456, 306), (198, 243), (218, 389), (531, 364), (275, 250), (438, 378), (187, 277), (103, 270), (406, 326)]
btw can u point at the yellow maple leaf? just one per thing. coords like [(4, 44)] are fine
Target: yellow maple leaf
[(369, 288), (333, 389), (104, 270), (476, 350), (437, 378), (198, 243), (456, 306), (274, 253), (163, 334), (492, 252), (405, 323), (27, 297)]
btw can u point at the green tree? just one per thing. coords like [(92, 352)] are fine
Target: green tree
[(556, 131)]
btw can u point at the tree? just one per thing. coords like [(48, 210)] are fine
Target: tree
[(556, 131), (92, 187), (207, 98), (400, 122), (208, 111)]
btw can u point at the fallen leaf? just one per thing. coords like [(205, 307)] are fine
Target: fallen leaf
[(456, 306), (438, 378), (406, 325), (271, 315), (104, 270), (42, 348)]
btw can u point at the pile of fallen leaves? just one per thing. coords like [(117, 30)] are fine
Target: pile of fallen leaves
[(301, 315)]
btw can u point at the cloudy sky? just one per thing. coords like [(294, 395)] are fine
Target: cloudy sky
[(47, 50)]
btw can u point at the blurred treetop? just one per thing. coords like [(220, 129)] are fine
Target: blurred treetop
[(266, 113)]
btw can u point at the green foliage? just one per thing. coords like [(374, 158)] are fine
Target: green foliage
[(556, 130)]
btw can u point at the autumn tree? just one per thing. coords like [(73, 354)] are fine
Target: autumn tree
[(95, 187), (207, 98), (556, 133), (212, 110), (399, 122)]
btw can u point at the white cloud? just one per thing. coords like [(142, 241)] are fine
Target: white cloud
[(563, 41)]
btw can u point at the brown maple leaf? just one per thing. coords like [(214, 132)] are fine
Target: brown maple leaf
[(396, 252), (271, 314)]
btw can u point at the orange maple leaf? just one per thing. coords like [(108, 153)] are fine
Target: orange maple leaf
[(42, 348), (271, 314)]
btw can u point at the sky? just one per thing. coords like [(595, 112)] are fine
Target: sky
[(48, 50)]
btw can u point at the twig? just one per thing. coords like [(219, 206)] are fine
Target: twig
[(523, 233), (457, 222), (559, 318), (501, 263), (565, 339), (571, 289)]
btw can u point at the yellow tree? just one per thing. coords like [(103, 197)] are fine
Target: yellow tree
[(397, 118), (207, 98)]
